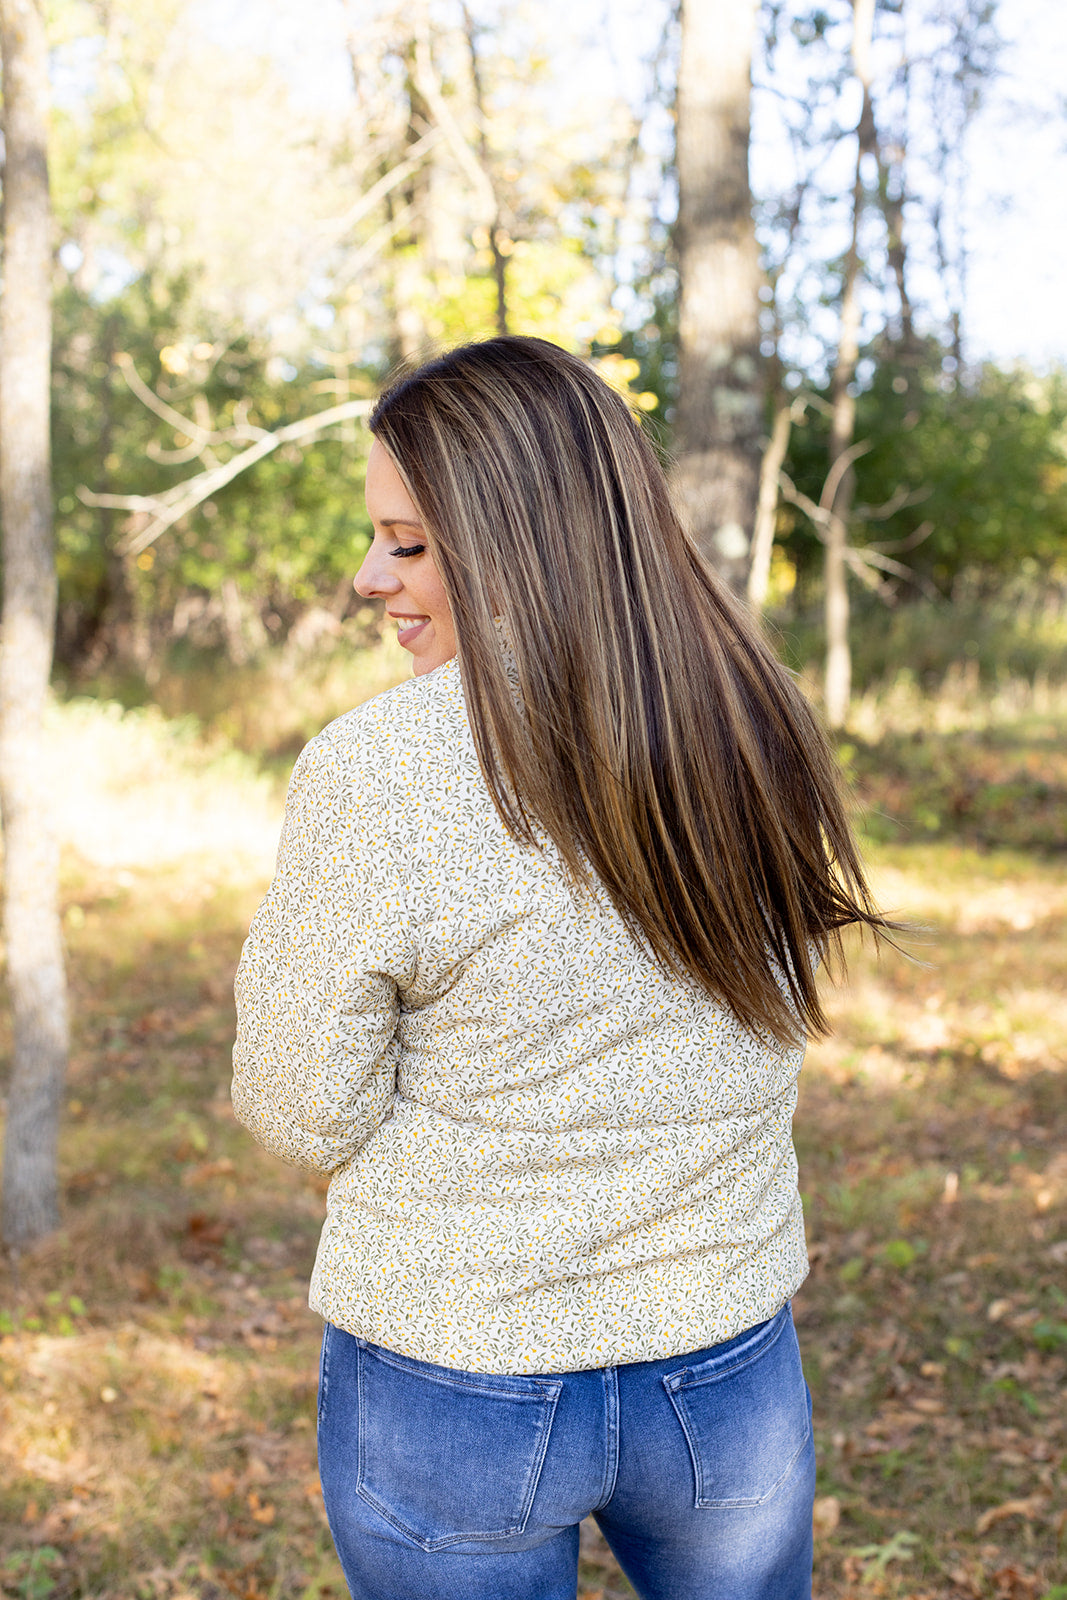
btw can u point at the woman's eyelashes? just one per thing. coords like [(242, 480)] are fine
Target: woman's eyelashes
[(408, 550)]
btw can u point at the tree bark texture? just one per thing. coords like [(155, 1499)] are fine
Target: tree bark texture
[(837, 688), (31, 918), (719, 419)]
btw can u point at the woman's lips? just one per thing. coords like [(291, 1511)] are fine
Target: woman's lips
[(408, 628)]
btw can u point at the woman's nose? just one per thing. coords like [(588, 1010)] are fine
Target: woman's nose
[(374, 578)]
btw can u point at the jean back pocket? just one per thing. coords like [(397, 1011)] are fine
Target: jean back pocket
[(745, 1413), (447, 1456)]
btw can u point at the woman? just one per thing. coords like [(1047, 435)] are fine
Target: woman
[(531, 982)]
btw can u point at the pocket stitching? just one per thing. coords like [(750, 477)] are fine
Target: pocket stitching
[(547, 1398), (684, 1378), (467, 1381), (675, 1384), (704, 1504)]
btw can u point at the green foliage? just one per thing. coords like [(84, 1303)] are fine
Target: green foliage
[(549, 292), (1018, 632), (654, 346), (876, 1557), (899, 1253), (287, 531), (984, 461), (29, 1572), (1050, 1335)]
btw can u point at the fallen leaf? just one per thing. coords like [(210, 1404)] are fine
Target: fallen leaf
[(204, 1171), (827, 1515), (1013, 1584), (969, 1578), (222, 1484), (1031, 1508), (260, 1512)]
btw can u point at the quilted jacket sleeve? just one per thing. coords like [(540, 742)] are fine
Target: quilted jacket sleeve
[(317, 1004)]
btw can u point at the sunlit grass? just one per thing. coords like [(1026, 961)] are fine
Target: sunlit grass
[(132, 789), (960, 703), (158, 1361), (271, 707)]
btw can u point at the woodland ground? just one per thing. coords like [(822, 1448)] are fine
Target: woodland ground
[(157, 1358)]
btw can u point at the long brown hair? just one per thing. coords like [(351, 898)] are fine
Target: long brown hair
[(659, 743)]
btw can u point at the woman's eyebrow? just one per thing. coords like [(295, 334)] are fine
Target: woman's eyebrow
[(403, 522)]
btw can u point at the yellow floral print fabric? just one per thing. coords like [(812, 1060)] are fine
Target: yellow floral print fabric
[(546, 1154)]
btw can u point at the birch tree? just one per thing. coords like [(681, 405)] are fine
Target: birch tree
[(36, 977), (837, 688)]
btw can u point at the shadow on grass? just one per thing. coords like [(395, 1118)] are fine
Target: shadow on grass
[(158, 1361)]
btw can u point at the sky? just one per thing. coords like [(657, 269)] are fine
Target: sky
[(1016, 221), (1017, 288)]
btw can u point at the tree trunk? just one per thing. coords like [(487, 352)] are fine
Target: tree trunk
[(409, 279), (496, 234), (759, 571), (837, 690), (892, 202), (31, 916), (719, 418), (112, 625)]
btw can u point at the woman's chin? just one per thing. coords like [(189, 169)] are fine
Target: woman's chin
[(428, 661)]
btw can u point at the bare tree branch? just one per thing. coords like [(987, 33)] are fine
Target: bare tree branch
[(873, 558), (377, 242), (819, 516), (898, 501), (860, 558), (430, 88), (334, 227), (870, 580), (865, 555), (167, 508), (201, 434), (921, 534), (774, 453), (485, 161), (149, 398), (843, 461)]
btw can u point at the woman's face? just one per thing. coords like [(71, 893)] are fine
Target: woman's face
[(399, 569)]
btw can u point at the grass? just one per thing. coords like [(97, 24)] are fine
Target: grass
[(1015, 635), (988, 768), (933, 1149), (269, 708), (157, 1358)]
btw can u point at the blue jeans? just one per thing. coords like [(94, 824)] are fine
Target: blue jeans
[(450, 1485)]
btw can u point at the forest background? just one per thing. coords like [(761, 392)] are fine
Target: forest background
[(768, 225)]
